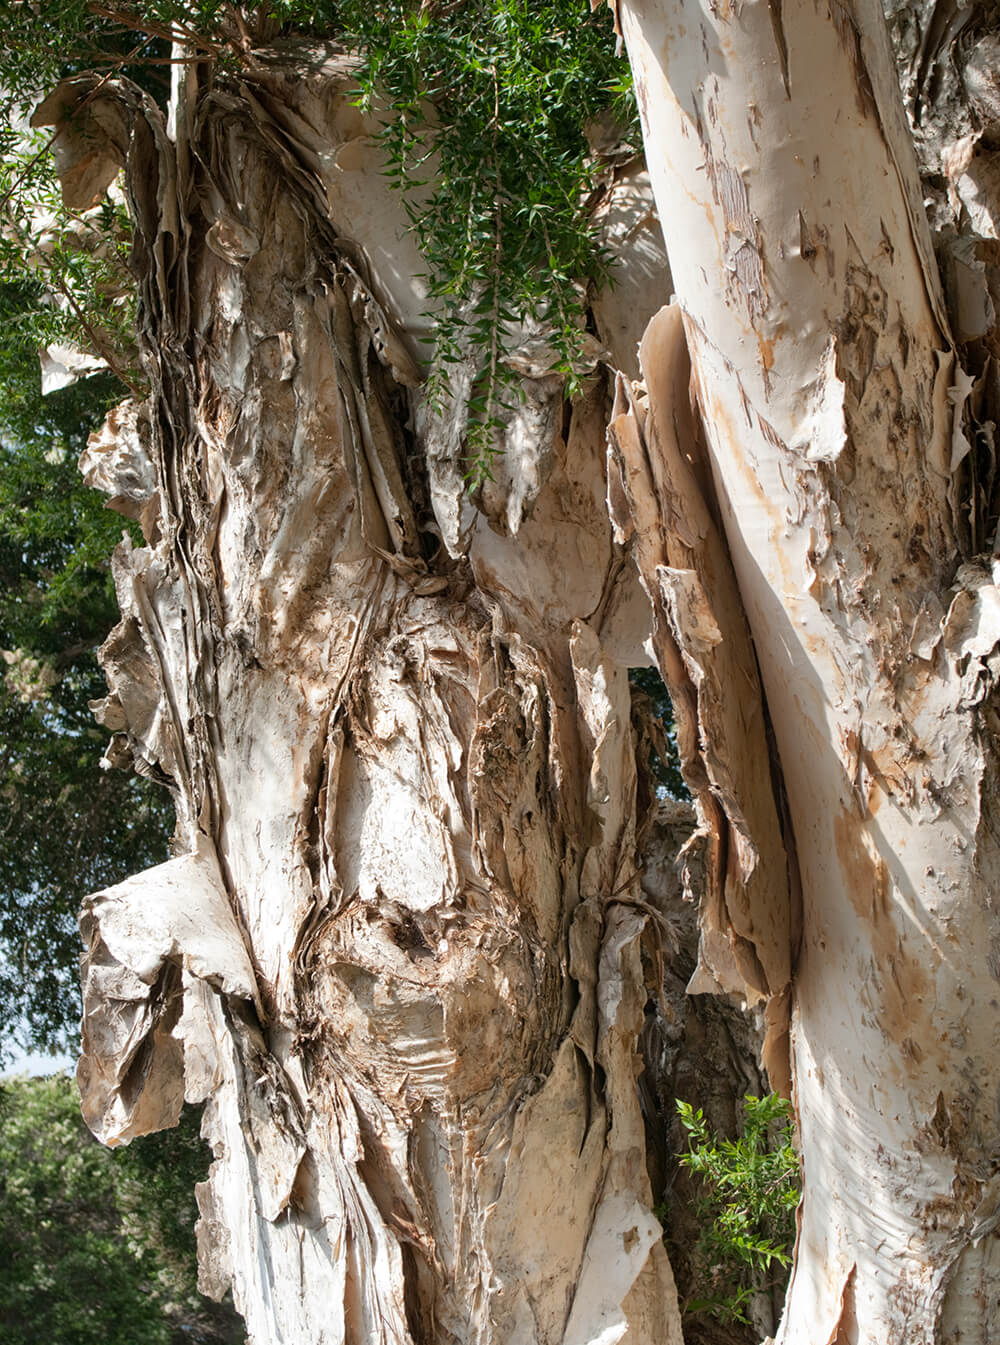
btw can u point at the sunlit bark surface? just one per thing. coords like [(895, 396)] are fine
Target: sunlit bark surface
[(837, 420)]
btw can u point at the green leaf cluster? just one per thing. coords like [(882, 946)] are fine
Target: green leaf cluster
[(485, 108), (98, 1245), (745, 1206)]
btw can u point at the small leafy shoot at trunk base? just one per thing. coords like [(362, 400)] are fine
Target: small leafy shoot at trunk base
[(749, 1188)]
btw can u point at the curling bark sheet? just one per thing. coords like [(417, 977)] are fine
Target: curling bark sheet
[(831, 402), (405, 774), (747, 916)]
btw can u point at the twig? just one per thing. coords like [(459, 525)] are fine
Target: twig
[(137, 25)]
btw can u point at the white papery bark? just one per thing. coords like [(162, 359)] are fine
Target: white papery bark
[(399, 950), (831, 400)]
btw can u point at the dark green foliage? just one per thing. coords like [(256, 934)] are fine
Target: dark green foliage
[(56, 537), (46, 42), (154, 1179), (97, 1247), (749, 1188), (664, 759), (67, 827)]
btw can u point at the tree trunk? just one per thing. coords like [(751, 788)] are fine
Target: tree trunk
[(400, 949), (810, 325)]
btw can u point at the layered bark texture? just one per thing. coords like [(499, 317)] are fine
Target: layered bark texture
[(400, 949), (404, 949), (836, 423)]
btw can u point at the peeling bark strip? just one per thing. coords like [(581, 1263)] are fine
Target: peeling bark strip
[(703, 646), (831, 420), (406, 794)]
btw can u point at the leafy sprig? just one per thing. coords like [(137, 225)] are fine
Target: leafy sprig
[(749, 1188), (484, 108)]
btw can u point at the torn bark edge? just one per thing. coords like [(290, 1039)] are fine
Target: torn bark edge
[(657, 470), (845, 1328), (616, 18), (141, 937), (89, 140)]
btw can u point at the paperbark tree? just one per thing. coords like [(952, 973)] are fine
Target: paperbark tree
[(399, 949)]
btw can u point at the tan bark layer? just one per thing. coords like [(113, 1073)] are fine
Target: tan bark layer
[(748, 925)]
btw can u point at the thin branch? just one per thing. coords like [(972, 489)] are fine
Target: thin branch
[(497, 254), (178, 32)]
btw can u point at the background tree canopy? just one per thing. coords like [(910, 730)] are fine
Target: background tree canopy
[(67, 827), (98, 1244)]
